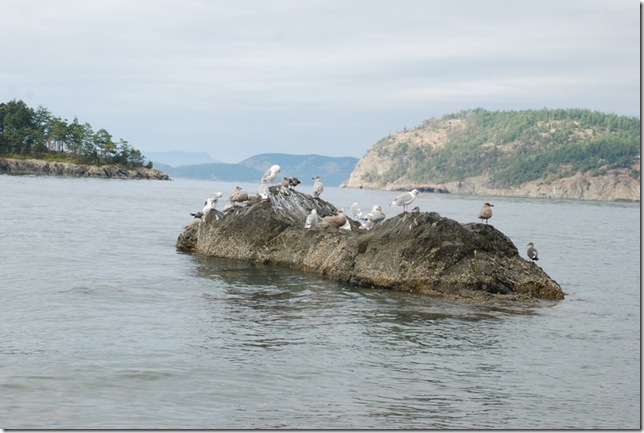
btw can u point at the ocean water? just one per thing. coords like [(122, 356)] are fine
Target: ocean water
[(104, 325)]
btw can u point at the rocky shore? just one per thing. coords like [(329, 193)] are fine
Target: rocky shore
[(53, 168), (421, 253)]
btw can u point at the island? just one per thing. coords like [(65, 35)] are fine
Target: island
[(416, 252), (59, 168)]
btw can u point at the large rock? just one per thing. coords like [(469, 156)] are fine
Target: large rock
[(414, 252)]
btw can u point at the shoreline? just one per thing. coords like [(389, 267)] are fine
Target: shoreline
[(55, 168)]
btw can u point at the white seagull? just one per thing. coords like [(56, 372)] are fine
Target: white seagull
[(311, 219), (271, 174), (210, 205), (376, 215), (372, 218), (356, 211), (405, 199)]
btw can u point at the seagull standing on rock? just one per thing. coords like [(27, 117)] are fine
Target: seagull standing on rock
[(486, 212), (532, 252), (405, 199), (210, 205), (293, 182), (318, 187)]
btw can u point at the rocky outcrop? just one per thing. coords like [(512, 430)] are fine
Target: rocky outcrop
[(617, 185), (53, 168), (414, 252)]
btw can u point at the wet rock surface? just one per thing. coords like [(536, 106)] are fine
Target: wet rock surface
[(413, 252)]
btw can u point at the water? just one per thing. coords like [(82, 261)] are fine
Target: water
[(105, 325)]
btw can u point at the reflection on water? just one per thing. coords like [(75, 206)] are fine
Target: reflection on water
[(395, 355)]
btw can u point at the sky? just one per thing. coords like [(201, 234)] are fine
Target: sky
[(237, 78)]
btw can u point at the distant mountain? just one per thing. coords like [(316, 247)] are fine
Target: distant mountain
[(332, 170), (176, 158), (216, 171)]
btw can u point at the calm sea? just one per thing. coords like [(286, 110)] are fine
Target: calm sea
[(104, 325)]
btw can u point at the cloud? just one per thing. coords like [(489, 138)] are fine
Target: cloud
[(263, 75)]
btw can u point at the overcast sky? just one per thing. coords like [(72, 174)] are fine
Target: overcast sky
[(235, 78)]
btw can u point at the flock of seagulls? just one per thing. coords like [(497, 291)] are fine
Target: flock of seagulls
[(367, 221), (290, 182), (339, 221)]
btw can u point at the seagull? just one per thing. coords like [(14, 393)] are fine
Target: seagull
[(318, 187), (336, 221), (293, 182), (210, 205), (372, 218), (405, 199), (239, 195), (311, 219), (532, 252), (271, 174), (376, 215), (356, 211), (415, 210), (486, 212)]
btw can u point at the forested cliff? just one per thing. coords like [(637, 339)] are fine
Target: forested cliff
[(572, 153)]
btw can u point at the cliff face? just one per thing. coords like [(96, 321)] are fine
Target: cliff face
[(618, 185), (36, 166), (415, 252)]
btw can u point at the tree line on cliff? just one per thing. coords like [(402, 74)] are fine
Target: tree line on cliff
[(512, 147), (37, 133)]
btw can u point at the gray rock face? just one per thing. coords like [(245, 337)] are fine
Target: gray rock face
[(414, 252), (36, 166)]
